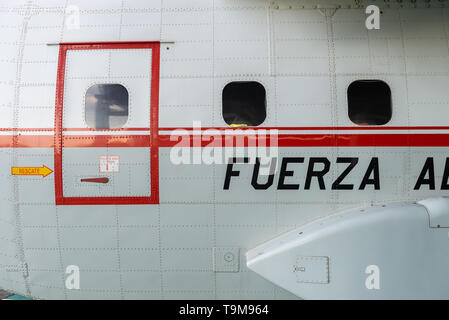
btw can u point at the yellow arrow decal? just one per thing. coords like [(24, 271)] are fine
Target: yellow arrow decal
[(31, 171)]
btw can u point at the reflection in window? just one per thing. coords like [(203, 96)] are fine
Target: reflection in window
[(106, 106), (244, 103), (369, 102)]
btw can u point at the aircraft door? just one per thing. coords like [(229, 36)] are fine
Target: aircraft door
[(106, 124)]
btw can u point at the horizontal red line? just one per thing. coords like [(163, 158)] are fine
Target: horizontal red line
[(236, 128), (110, 45), (120, 129), (26, 141), (47, 141), (311, 128), (71, 129), (103, 200), (106, 141), (320, 140), (25, 129), (287, 140)]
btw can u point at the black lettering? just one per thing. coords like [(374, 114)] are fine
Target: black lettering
[(318, 174), (269, 182), (287, 173), (373, 167), (444, 184), (428, 167), (337, 185), (231, 173)]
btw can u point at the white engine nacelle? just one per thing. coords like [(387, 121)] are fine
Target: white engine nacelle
[(398, 251)]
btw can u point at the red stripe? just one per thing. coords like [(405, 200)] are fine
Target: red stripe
[(154, 123), (26, 141), (322, 140), (309, 128), (96, 130), (287, 140), (57, 144), (86, 141), (25, 129), (234, 128), (106, 200), (109, 45), (46, 141), (71, 129)]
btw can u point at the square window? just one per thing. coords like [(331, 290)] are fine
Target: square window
[(244, 103), (106, 106), (369, 102)]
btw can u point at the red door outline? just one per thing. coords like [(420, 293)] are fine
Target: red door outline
[(151, 141)]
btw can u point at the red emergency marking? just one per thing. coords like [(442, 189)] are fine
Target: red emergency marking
[(69, 141)]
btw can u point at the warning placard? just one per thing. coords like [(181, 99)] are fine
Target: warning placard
[(109, 164)]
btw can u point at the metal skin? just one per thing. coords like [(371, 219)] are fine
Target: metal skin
[(160, 230), (318, 260)]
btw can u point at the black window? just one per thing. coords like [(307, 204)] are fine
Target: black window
[(369, 102), (106, 106), (244, 103)]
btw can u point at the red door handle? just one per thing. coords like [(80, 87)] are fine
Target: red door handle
[(96, 180)]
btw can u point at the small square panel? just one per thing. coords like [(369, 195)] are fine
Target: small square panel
[(226, 259), (310, 269)]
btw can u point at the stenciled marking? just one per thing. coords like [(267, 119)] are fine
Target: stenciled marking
[(31, 171), (109, 164), (318, 168)]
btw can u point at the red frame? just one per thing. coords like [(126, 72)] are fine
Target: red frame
[(154, 125)]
